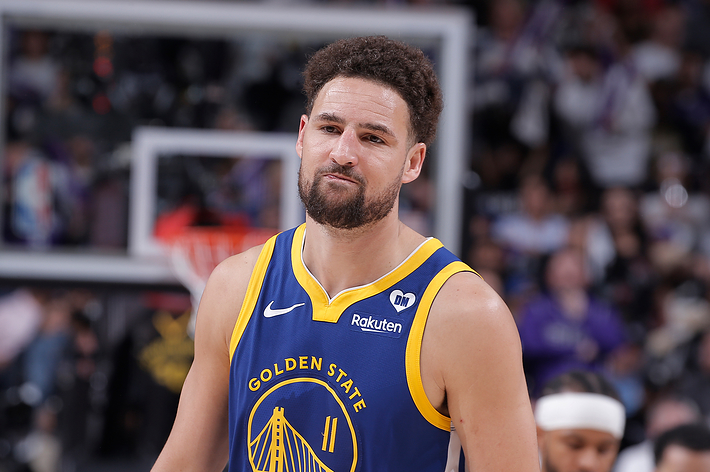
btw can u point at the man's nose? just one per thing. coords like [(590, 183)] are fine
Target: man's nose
[(589, 461), (345, 150)]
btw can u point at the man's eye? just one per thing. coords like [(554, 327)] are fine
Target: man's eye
[(375, 139), (603, 450), (329, 129)]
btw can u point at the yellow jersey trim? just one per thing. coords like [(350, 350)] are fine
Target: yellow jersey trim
[(330, 311), (252, 294), (414, 346)]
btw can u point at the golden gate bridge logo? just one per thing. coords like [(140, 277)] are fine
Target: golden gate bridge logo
[(279, 447)]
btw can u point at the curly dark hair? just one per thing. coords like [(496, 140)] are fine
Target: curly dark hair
[(395, 64)]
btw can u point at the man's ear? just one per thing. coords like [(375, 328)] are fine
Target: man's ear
[(299, 141), (414, 162)]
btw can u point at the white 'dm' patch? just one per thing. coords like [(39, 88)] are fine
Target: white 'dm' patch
[(400, 300)]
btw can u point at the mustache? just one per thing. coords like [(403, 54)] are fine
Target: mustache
[(335, 168)]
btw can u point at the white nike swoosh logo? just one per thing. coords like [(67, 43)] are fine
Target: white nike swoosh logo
[(269, 312)]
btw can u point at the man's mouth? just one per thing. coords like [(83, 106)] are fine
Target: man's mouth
[(340, 178)]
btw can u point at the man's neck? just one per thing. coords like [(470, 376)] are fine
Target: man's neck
[(343, 259)]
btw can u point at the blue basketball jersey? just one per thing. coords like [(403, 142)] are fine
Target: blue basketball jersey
[(320, 384)]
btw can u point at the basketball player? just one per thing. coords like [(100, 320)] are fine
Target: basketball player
[(580, 423), (352, 342)]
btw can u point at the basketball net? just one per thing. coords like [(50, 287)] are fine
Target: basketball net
[(194, 252)]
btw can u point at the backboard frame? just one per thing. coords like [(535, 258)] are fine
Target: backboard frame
[(149, 143)]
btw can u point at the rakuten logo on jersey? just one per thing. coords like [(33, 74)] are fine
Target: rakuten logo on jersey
[(375, 324)]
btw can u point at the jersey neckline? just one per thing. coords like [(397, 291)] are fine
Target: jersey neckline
[(329, 309)]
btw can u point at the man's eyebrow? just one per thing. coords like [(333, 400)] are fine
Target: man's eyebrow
[(333, 118), (378, 127)]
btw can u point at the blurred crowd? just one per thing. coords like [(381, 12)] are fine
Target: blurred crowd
[(589, 198), (587, 207), (89, 378), (74, 100)]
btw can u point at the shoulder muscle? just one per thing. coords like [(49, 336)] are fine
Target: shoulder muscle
[(223, 297), (474, 354)]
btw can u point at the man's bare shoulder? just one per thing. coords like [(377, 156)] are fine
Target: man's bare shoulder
[(472, 355), (469, 320), (224, 294), (236, 269), (467, 299)]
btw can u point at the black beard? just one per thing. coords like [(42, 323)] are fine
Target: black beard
[(348, 211)]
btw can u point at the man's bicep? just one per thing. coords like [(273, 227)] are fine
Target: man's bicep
[(484, 381), (199, 439)]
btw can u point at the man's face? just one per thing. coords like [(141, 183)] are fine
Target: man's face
[(677, 458), (355, 153), (577, 450)]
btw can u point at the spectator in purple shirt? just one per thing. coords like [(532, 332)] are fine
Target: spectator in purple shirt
[(566, 327)]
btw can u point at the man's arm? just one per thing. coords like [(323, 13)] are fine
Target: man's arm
[(472, 371), (199, 440)]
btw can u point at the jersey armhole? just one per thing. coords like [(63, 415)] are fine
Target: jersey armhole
[(414, 346), (252, 294)]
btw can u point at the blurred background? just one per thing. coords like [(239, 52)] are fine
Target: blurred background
[(571, 170)]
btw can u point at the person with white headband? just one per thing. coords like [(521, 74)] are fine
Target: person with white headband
[(580, 423)]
